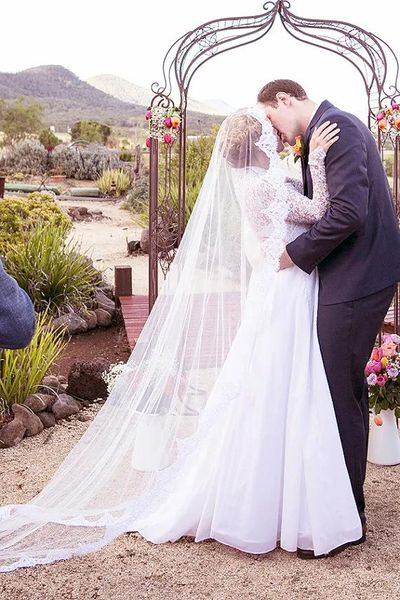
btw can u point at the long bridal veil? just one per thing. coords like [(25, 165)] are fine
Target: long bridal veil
[(126, 461)]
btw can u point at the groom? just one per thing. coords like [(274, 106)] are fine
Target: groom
[(356, 247)]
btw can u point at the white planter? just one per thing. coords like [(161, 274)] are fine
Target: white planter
[(384, 440), (153, 448)]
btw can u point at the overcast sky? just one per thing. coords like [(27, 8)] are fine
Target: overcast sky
[(129, 39)]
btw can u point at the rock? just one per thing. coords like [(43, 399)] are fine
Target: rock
[(62, 379), (107, 289), (84, 418), (90, 317), (52, 381), (104, 302), (64, 406), (103, 317), (47, 418), (73, 322), (39, 402), (133, 247), (85, 381), (11, 433), (31, 422), (145, 241)]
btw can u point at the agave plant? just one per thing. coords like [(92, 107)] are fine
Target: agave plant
[(23, 370), (52, 270), (113, 182)]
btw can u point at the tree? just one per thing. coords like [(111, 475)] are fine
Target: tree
[(23, 117), (48, 139), (91, 131)]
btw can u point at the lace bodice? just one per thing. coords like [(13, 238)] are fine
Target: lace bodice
[(259, 193)]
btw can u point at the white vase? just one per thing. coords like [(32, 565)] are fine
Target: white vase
[(152, 447), (384, 440)]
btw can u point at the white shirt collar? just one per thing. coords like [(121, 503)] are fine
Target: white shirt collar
[(314, 111)]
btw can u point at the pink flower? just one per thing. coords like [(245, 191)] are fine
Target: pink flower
[(395, 338), (389, 349), (380, 116), (369, 368), (148, 115), (148, 142), (372, 379), (395, 106), (168, 122), (381, 380), (168, 139), (376, 366)]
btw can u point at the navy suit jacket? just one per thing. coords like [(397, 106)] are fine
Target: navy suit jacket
[(17, 315), (356, 244)]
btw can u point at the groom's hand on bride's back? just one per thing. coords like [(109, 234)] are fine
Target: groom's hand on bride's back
[(17, 315)]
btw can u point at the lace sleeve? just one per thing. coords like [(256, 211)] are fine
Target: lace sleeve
[(303, 209)]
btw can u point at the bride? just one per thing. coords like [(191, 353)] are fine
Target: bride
[(221, 424)]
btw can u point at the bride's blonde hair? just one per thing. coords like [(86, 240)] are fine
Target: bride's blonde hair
[(243, 131)]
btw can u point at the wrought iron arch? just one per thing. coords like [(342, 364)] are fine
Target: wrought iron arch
[(371, 56)]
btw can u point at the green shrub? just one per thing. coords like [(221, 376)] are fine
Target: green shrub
[(199, 153), (126, 156), (52, 270), (91, 131), (23, 370), (389, 164), (48, 139), (84, 163), (19, 215), (25, 156), (113, 182), (137, 200)]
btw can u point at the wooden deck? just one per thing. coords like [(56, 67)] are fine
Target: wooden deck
[(135, 310)]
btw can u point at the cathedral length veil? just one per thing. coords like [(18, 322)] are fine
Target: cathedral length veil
[(154, 418)]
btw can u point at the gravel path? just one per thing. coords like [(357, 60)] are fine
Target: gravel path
[(133, 569)]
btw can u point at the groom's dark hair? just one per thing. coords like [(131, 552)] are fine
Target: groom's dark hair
[(268, 93)]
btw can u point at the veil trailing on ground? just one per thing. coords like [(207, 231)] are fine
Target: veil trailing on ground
[(128, 458)]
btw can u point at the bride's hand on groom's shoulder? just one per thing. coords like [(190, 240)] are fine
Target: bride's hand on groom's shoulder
[(324, 136)]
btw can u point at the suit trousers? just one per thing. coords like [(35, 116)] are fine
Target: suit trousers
[(347, 333)]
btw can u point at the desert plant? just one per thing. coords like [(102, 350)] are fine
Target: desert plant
[(18, 216), (23, 370), (25, 156), (113, 182), (84, 162), (52, 270), (91, 131), (20, 118), (137, 200), (389, 164), (48, 139)]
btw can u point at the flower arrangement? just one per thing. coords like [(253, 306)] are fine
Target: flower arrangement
[(388, 118), (112, 374), (298, 148), (383, 377), (164, 124)]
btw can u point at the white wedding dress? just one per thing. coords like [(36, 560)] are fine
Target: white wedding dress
[(269, 468), (222, 425)]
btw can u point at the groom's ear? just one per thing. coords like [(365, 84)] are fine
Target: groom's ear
[(283, 98)]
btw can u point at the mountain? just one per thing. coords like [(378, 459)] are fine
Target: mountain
[(66, 99), (130, 92)]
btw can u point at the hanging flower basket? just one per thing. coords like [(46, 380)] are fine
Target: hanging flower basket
[(164, 124), (388, 118)]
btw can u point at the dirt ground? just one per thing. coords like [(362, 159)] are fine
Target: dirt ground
[(133, 569)]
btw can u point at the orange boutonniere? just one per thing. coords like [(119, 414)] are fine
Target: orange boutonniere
[(298, 148)]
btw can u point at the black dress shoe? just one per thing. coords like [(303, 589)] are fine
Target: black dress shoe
[(309, 554)]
